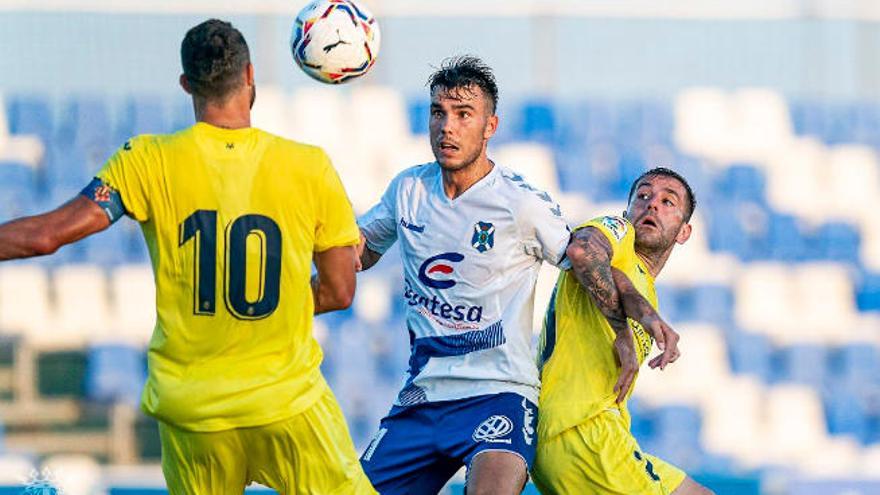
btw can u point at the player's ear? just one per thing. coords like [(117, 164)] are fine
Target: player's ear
[(491, 126), (184, 83), (684, 233), (249, 74)]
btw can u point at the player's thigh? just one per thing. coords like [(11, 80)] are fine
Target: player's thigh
[(496, 472), (403, 457), (601, 456), (195, 462), (309, 453)]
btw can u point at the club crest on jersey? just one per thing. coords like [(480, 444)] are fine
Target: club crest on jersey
[(439, 264), (484, 236), (615, 225), (492, 429)]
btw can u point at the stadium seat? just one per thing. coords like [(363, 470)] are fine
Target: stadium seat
[(853, 177), (798, 194), (372, 303), (742, 183), (115, 373), (847, 411), (419, 112), (81, 307), (74, 474), (803, 364), (86, 123), (713, 304), (732, 420), (794, 427), (702, 365), (750, 353), (24, 299), (533, 161), (31, 114), (837, 241), (144, 114), (535, 120), (14, 468), (766, 301), (785, 239), (134, 303), (825, 309)]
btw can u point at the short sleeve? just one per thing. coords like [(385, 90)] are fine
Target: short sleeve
[(618, 230), (336, 226), (128, 172), (546, 233), (379, 224)]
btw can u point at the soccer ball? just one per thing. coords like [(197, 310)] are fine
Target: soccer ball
[(335, 41)]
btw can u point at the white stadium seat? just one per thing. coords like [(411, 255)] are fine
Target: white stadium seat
[(82, 310), (24, 299), (134, 303)]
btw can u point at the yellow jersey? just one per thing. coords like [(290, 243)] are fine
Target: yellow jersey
[(576, 353), (232, 219)]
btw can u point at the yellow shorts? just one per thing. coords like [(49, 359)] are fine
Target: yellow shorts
[(309, 453), (600, 456)]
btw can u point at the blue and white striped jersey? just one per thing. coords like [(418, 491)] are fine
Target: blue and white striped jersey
[(470, 265)]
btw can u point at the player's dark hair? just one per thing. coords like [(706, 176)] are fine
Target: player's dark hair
[(666, 172), (213, 55), (463, 72)]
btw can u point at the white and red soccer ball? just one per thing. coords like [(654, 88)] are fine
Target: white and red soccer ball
[(335, 41)]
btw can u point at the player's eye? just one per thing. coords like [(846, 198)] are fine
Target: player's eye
[(668, 202), (643, 195)]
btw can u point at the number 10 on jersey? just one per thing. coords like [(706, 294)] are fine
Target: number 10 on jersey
[(201, 229)]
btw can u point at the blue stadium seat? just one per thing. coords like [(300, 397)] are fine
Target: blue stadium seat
[(858, 364), (643, 123), (837, 241), (808, 117), (785, 239), (742, 183), (668, 299), (31, 114), (846, 412), (713, 303), (839, 123), (804, 364), (536, 121), (419, 110), (115, 373), (142, 114), (868, 295), (750, 353), (85, 122)]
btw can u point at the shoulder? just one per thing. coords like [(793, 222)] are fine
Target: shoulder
[(615, 228), (415, 176), (524, 197)]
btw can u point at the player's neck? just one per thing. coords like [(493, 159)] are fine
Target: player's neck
[(231, 114), (456, 182), (654, 260)]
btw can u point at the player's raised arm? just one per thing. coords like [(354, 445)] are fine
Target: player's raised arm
[(43, 234)]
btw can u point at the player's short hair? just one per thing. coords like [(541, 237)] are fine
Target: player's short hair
[(466, 71), (213, 55), (666, 172)]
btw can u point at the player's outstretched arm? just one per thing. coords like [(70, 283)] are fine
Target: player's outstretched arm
[(638, 308), (590, 254), (43, 234), (333, 286)]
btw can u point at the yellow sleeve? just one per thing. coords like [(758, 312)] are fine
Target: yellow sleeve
[(128, 171), (618, 231), (336, 225)]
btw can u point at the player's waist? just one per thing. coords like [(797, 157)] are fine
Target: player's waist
[(446, 389)]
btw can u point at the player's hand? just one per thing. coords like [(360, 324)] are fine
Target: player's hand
[(359, 251), (666, 338), (625, 351)]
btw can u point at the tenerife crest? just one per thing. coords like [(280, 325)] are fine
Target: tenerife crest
[(484, 236)]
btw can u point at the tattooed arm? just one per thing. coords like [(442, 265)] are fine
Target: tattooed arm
[(614, 295)]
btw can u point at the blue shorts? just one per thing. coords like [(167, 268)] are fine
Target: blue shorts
[(418, 448)]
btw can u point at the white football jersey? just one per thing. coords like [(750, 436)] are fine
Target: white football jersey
[(470, 265)]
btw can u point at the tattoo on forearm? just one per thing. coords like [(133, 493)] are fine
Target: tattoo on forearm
[(593, 271)]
